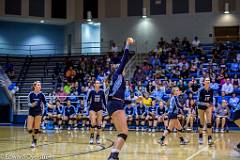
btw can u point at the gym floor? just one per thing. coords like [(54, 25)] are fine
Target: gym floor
[(72, 145)]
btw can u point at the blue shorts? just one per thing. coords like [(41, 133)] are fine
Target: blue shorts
[(114, 105), (172, 115), (96, 108), (34, 113)]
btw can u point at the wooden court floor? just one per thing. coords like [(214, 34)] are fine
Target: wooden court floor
[(73, 145)]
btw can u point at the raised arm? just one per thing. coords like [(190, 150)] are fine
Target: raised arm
[(124, 59)]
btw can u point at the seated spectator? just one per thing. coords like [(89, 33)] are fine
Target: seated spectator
[(222, 113), (220, 99), (184, 73), (67, 88), (61, 95), (52, 97), (236, 81), (215, 86), (233, 101), (152, 117), (162, 114), (234, 66), (191, 114), (146, 100), (70, 72), (158, 92), (141, 113), (228, 87), (129, 112), (195, 42)]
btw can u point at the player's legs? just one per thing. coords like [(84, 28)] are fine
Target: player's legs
[(99, 125), (179, 128), (201, 114), (37, 124), (120, 123), (209, 125), (167, 131), (93, 121)]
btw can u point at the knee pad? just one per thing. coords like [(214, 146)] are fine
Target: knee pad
[(30, 131), (36, 131), (169, 131), (99, 127), (200, 126), (93, 126), (165, 118), (179, 130), (209, 125), (123, 136)]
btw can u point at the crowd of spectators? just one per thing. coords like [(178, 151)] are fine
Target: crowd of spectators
[(179, 63)]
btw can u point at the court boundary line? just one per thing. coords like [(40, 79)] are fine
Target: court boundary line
[(199, 151), (102, 147)]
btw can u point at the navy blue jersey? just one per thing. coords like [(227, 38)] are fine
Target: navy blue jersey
[(118, 84), (60, 109), (129, 111), (205, 96), (141, 110), (79, 109), (152, 109), (39, 99), (68, 111), (51, 110), (161, 111), (96, 99)]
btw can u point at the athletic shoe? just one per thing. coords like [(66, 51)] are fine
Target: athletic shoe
[(91, 140), (149, 130), (153, 130), (162, 143), (43, 127), (34, 143), (217, 130), (69, 128), (200, 140), (113, 158), (137, 129), (111, 128), (143, 129), (210, 142), (184, 142), (222, 130), (56, 128), (98, 140), (75, 128)]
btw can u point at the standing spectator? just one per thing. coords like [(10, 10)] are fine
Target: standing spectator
[(228, 87)]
